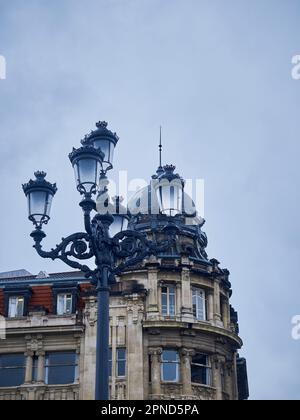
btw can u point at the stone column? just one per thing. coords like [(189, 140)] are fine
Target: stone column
[(87, 378), (29, 364), (135, 360), (217, 309), (234, 379), (229, 374), (159, 298), (186, 373), (178, 299), (225, 313), (210, 304), (152, 306), (155, 354), (217, 381), (186, 310), (41, 366)]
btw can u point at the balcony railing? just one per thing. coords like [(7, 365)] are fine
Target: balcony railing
[(41, 392), (174, 391)]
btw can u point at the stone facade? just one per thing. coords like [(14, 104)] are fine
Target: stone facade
[(173, 332), (138, 325)]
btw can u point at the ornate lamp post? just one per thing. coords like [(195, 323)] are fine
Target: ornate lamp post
[(105, 238)]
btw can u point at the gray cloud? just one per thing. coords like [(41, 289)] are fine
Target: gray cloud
[(217, 76)]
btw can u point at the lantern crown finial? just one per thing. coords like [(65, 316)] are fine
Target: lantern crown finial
[(40, 175)]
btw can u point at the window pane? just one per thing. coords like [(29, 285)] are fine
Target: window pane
[(121, 354), (172, 302), (198, 297), (164, 303), (35, 368), (61, 375), (12, 307), (121, 368), (200, 359), (199, 375), (170, 372), (68, 304), (60, 304), (12, 370), (12, 377), (16, 306), (121, 362), (61, 368), (170, 366), (67, 358), (110, 362), (20, 306), (170, 356), (64, 304), (12, 360)]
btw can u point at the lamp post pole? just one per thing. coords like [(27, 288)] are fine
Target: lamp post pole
[(112, 253), (102, 346)]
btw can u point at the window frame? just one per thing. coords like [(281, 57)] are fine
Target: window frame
[(57, 365), (67, 296), (65, 288), (120, 360), (207, 367), (176, 362), (196, 290), (19, 299), (16, 292), (23, 367), (168, 294)]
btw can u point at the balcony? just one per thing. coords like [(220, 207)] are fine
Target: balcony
[(174, 391), (41, 392), (118, 389)]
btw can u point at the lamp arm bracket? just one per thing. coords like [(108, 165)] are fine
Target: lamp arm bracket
[(132, 247), (75, 246)]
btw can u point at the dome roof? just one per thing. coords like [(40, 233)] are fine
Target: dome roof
[(145, 201)]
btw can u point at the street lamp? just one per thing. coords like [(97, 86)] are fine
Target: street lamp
[(105, 140), (106, 237), (87, 164), (169, 191), (39, 195)]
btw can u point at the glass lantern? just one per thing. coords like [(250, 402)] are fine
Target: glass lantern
[(39, 193), (169, 191), (103, 139), (87, 164)]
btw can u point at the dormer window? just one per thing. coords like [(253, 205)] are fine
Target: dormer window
[(65, 298), (16, 301), (64, 304), (16, 306)]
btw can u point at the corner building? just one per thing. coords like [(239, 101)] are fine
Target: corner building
[(173, 333)]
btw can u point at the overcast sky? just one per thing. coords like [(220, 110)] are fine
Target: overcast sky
[(217, 76)]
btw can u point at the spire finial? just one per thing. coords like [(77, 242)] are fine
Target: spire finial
[(160, 147)]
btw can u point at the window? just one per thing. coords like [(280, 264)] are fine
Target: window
[(61, 368), (16, 301), (199, 306), (64, 304), (16, 306), (35, 368), (170, 366), (65, 298), (121, 362), (110, 362), (168, 300), (12, 370), (201, 370)]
